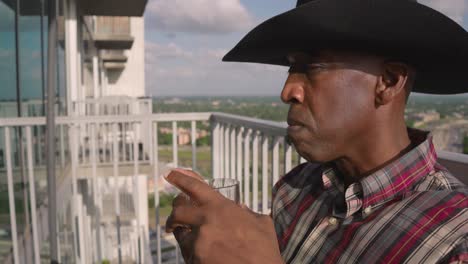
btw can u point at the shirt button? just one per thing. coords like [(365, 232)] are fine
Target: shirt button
[(367, 210), (332, 221)]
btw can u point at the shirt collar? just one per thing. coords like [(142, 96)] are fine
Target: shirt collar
[(391, 181), (401, 175)]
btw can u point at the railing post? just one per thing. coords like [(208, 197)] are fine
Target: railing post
[(32, 195), (97, 209), (227, 160), (265, 174), (221, 153), (175, 151), (233, 152), (62, 147), (240, 132), (287, 157), (123, 136), (40, 134), (255, 171), (194, 145), (116, 188), (136, 192), (301, 159), (275, 160), (11, 196), (80, 251), (95, 79), (247, 167), (156, 188), (214, 148)]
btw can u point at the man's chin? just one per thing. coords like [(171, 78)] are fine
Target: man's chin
[(311, 155)]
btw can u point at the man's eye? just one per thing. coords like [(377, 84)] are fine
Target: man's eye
[(315, 67), (298, 69), (307, 68)]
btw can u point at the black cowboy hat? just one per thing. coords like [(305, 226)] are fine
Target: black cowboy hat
[(402, 30)]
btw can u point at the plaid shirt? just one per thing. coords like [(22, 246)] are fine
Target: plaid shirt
[(410, 211)]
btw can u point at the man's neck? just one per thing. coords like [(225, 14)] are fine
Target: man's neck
[(372, 153)]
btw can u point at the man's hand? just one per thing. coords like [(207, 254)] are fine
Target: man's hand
[(220, 230)]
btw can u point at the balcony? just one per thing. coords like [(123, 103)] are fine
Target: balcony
[(108, 163), (90, 7), (114, 7), (112, 33), (113, 59), (113, 105)]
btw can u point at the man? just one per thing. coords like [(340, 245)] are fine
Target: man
[(372, 191)]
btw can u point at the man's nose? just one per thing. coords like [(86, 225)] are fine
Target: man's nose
[(293, 90)]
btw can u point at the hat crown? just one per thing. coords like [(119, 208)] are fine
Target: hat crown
[(301, 2)]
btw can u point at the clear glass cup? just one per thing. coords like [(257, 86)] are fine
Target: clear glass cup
[(229, 188)]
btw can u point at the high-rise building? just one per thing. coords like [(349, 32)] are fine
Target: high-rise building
[(96, 49)]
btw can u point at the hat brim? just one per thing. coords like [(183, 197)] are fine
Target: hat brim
[(402, 30)]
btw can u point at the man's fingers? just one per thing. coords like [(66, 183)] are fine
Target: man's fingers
[(198, 190), (247, 209), (190, 173), (184, 216), (182, 199)]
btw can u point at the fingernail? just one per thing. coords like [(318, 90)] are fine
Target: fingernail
[(166, 173)]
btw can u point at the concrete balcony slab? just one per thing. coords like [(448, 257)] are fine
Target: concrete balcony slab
[(113, 7), (113, 42), (89, 7), (110, 56), (114, 65)]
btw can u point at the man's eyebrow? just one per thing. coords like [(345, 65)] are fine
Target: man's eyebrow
[(307, 59)]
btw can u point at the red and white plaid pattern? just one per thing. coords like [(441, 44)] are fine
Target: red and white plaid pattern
[(410, 211)]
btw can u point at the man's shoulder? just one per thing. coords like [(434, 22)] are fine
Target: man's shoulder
[(442, 181), (441, 188)]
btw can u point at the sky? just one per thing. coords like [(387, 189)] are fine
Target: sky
[(186, 39)]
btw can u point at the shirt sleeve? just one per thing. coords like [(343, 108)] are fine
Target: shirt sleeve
[(459, 254)]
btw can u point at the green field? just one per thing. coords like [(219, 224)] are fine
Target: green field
[(184, 153)]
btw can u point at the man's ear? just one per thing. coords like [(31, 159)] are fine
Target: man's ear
[(391, 83)]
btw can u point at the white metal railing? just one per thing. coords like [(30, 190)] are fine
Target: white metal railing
[(238, 146), (29, 108), (113, 105), (92, 148)]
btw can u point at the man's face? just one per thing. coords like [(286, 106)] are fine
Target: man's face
[(332, 102)]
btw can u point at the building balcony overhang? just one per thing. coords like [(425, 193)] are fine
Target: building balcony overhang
[(90, 7), (112, 41), (114, 65), (113, 7), (113, 56)]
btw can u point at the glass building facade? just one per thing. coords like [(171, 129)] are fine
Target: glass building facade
[(23, 58), (23, 81)]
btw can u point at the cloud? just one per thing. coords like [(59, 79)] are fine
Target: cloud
[(201, 72), (455, 9), (169, 51), (198, 16)]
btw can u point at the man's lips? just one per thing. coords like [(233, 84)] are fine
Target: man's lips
[(292, 122), (294, 126)]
